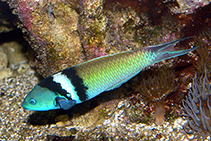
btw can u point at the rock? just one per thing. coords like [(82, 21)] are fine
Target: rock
[(188, 7), (22, 68), (4, 73), (13, 60), (7, 18), (14, 53), (3, 59), (60, 124)]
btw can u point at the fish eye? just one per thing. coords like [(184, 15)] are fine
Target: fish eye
[(32, 101)]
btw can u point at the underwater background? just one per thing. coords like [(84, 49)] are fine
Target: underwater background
[(169, 100)]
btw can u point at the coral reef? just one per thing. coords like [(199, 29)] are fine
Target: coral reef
[(93, 27), (63, 33), (197, 108), (52, 33)]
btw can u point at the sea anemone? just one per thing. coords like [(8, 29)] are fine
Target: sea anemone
[(155, 86), (197, 108), (157, 83)]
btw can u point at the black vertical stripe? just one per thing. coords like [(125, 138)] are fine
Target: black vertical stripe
[(53, 86), (77, 82)]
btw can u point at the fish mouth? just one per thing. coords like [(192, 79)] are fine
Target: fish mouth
[(24, 107)]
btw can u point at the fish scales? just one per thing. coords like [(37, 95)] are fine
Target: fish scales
[(87, 80), (106, 72)]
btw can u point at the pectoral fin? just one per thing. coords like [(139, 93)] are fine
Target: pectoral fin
[(65, 104)]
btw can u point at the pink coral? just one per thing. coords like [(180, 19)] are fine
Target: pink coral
[(24, 12)]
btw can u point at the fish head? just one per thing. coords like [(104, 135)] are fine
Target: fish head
[(40, 99)]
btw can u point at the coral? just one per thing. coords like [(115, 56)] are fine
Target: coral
[(93, 27), (197, 22), (51, 28), (66, 33), (188, 6), (61, 42), (134, 25), (197, 108)]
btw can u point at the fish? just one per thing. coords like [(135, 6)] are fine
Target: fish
[(82, 82)]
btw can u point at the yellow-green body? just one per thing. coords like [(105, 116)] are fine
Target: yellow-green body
[(109, 72)]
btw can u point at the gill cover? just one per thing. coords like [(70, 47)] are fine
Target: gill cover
[(40, 99)]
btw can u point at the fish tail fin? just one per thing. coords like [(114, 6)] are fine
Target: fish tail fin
[(172, 54), (167, 50)]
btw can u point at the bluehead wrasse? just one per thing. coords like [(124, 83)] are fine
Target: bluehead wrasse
[(87, 80)]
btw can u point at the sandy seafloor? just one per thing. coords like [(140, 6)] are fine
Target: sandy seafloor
[(14, 126)]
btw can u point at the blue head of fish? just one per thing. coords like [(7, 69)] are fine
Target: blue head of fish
[(40, 99)]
